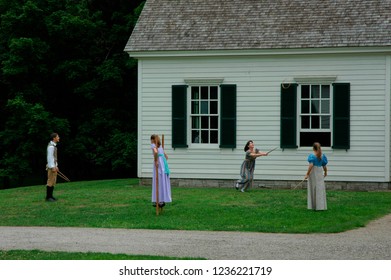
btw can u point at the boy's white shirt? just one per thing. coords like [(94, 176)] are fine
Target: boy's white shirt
[(50, 155)]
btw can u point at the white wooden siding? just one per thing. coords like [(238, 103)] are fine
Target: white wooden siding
[(258, 82)]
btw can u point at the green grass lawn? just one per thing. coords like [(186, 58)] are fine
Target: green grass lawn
[(124, 204), (42, 255)]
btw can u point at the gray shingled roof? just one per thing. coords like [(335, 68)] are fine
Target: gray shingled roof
[(260, 24)]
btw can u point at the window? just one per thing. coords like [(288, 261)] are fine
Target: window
[(314, 115), (204, 114), (212, 116)]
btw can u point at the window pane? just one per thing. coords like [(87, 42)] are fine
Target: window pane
[(213, 92), (325, 91), (325, 106), (195, 135), (325, 122), (308, 138), (204, 93), (315, 107), (214, 136), (213, 107), (205, 136), (305, 106), (195, 93), (305, 91), (315, 122), (195, 122), (204, 122), (214, 122), (315, 91), (305, 122), (195, 107), (204, 107)]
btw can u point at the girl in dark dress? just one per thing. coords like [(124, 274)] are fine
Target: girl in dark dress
[(248, 166)]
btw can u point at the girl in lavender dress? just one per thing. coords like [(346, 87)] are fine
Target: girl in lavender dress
[(317, 170), (248, 166), (160, 162)]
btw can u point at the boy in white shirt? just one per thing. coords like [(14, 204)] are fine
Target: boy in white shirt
[(52, 166)]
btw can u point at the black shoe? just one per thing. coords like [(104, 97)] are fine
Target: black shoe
[(162, 204), (50, 199), (154, 204)]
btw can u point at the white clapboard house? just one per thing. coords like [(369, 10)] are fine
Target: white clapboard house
[(214, 74)]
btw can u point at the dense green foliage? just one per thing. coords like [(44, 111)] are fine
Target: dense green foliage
[(63, 69), (122, 203)]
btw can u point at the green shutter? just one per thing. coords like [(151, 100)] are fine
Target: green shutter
[(228, 116), (179, 116), (288, 116), (341, 116)]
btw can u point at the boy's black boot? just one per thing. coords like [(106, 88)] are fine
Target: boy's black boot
[(49, 194)]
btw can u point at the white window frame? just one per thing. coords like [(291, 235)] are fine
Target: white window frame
[(320, 83), (202, 81), (191, 115)]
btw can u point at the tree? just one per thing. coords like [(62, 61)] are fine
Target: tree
[(23, 139), (63, 66)]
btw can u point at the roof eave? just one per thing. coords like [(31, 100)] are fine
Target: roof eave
[(255, 52)]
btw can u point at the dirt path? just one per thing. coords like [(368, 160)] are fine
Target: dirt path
[(369, 243)]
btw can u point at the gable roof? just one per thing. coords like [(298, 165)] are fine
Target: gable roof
[(166, 25)]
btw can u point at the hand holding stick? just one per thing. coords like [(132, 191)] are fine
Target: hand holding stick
[(300, 183)]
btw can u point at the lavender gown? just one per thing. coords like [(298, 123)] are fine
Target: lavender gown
[(164, 178)]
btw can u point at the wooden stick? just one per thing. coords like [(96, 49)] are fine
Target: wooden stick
[(302, 181), (161, 209), (272, 150), (63, 176), (299, 184), (157, 180)]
